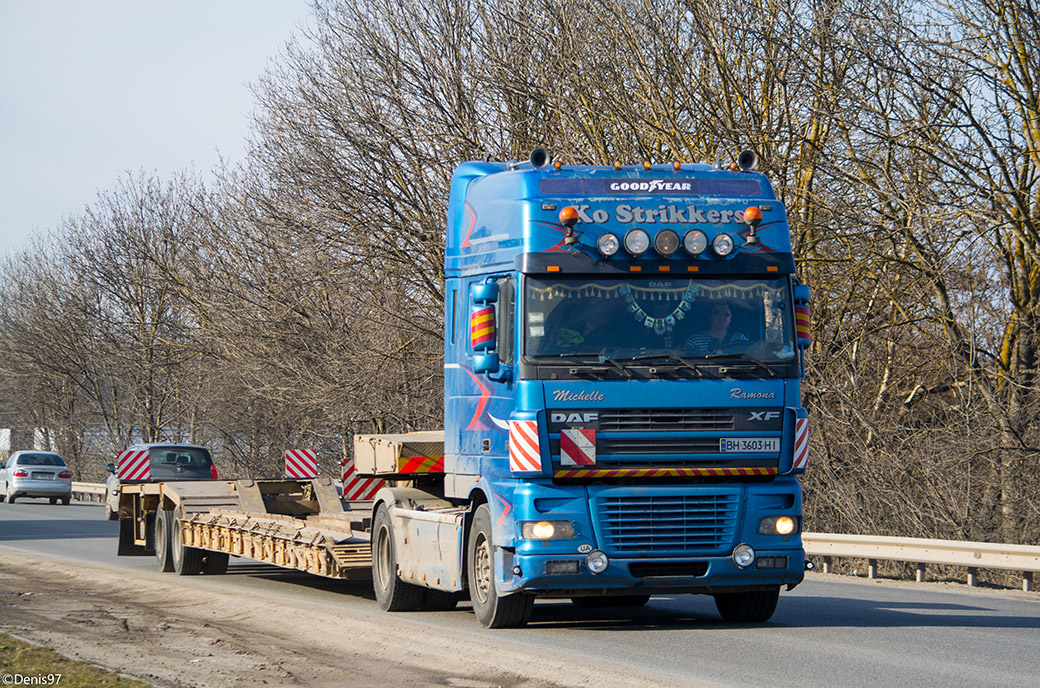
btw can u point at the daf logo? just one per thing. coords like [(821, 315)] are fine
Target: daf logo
[(574, 417), (764, 415)]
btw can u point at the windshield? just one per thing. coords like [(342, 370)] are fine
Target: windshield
[(691, 319)]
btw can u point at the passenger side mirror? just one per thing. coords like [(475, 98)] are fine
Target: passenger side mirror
[(110, 467), (801, 316)]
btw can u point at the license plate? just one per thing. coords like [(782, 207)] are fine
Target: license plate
[(748, 445), (42, 476)]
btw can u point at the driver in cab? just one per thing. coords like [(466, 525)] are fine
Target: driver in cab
[(718, 338)]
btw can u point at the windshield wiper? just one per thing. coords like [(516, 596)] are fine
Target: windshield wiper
[(611, 361), (721, 358), (668, 357)]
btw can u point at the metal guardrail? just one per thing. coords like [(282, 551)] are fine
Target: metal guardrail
[(88, 492), (972, 555)]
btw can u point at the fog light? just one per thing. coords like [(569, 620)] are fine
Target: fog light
[(636, 242), (608, 244), (743, 556), (597, 561), (723, 244), (561, 567)]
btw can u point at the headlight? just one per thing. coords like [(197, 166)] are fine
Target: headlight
[(608, 244), (546, 530), (636, 242), (695, 242), (666, 242), (777, 525), (743, 556), (723, 244), (597, 561)]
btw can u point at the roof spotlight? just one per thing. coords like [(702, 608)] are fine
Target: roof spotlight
[(695, 242), (608, 244), (637, 242), (666, 242), (722, 244)]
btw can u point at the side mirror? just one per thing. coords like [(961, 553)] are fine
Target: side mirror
[(489, 364), (485, 293), (485, 363), (801, 316), (110, 467)]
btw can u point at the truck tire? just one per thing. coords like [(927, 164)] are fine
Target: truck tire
[(216, 563), (187, 561), (392, 593), (512, 611), (163, 536), (111, 515), (754, 606), (611, 601)]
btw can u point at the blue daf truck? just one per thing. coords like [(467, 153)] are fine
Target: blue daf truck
[(622, 416), (622, 363)]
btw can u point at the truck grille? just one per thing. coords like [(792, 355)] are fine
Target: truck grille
[(668, 525), (665, 420)]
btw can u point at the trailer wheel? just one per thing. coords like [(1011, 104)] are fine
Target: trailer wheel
[(492, 611), (163, 535), (753, 606), (392, 593), (187, 561)]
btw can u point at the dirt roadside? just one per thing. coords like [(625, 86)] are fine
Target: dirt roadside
[(178, 635)]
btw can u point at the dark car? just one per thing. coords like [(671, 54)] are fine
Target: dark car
[(165, 462), (36, 474)]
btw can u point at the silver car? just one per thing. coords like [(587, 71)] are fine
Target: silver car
[(166, 462), (36, 474)]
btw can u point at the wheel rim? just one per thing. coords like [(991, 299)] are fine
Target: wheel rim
[(383, 558), (482, 567)]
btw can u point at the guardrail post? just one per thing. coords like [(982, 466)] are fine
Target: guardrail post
[(920, 572), (973, 577), (871, 568), (826, 564), (1027, 581)]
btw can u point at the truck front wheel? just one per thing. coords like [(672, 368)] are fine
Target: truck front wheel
[(492, 611), (392, 593), (754, 606)]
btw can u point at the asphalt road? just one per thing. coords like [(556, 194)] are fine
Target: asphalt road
[(830, 631)]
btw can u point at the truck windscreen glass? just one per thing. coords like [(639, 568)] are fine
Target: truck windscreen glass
[(621, 318)]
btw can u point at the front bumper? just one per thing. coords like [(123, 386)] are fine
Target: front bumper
[(27, 487), (650, 576)]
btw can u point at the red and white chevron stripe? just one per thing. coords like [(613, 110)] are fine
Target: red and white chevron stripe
[(801, 442), (356, 488), (578, 447), (301, 464), (524, 452), (134, 465)]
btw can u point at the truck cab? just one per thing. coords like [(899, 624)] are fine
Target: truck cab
[(622, 365)]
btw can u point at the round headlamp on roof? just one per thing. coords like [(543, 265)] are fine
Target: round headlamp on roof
[(666, 242), (608, 244), (637, 242), (695, 242), (722, 244)]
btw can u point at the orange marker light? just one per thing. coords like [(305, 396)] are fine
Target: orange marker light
[(676, 165), (752, 216), (617, 164), (569, 216), (557, 164), (646, 165)]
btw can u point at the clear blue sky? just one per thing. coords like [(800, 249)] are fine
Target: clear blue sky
[(93, 89)]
